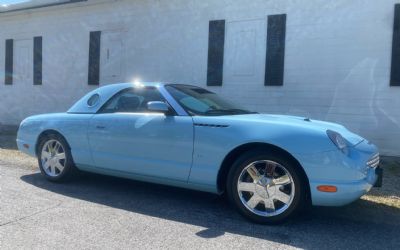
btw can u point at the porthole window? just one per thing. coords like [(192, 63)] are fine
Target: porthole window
[(93, 100)]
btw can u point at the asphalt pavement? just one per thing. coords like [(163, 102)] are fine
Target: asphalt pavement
[(99, 212)]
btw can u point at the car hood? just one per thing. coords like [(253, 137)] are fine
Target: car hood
[(45, 117), (301, 122)]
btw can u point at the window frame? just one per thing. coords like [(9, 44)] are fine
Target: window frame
[(112, 98), (190, 111)]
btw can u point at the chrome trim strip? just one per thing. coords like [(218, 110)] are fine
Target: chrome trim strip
[(374, 161), (211, 125)]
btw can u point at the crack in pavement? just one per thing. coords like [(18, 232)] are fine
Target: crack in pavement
[(30, 215)]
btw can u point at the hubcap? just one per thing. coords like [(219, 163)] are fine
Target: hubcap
[(266, 188), (53, 158)]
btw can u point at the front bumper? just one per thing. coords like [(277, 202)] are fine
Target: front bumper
[(30, 150), (347, 192), (352, 174)]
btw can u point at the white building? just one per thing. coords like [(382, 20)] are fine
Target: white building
[(330, 60)]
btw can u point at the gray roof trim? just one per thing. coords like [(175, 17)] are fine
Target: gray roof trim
[(42, 6)]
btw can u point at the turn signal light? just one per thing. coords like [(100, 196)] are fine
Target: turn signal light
[(327, 189), (26, 146)]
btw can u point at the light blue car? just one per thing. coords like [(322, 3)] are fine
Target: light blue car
[(270, 166)]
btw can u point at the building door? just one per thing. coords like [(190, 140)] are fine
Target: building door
[(111, 57), (245, 50), (23, 62)]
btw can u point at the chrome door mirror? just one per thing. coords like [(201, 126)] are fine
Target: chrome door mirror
[(159, 107)]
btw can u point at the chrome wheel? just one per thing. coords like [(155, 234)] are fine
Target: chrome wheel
[(53, 158), (266, 188)]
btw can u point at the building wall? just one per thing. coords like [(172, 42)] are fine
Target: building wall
[(337, 56)]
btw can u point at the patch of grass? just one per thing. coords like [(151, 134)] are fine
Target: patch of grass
[(16, 158), (390, 201), (389, 193)]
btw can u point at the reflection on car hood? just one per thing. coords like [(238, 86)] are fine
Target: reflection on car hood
[(352, 138)]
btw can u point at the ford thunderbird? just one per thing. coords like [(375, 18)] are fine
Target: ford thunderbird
[(270, 166)]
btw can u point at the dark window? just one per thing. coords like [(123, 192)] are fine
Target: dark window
[(9, 61), (37, 61), (216, 41), (94, 58), (395, 71), (93, 100), (133, 100), (275, 62)]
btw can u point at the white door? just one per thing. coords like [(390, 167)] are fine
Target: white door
[(111, 57), (23, 62), (245, 52)]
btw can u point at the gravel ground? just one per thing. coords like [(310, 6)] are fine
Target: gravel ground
[(98, 212)]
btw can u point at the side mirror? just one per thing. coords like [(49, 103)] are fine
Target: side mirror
[(159, 107)]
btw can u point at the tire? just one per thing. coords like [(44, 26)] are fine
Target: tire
[(270, 195), (55, 159)]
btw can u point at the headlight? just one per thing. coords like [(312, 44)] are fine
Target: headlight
[(338, 140)]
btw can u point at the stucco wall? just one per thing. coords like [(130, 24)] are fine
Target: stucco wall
[(337, 62)]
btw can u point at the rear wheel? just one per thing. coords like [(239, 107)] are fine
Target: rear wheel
[(54, 157), (265, 187)]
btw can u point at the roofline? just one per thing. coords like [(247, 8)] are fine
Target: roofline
[(42, 6), (148, 84)]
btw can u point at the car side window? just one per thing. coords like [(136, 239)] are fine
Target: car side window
[(133, 100)]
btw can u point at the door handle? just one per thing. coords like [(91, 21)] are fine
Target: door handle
[(100, 127)]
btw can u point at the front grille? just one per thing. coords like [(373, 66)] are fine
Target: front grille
[(373, 162)]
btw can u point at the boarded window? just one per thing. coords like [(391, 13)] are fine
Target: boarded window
[(216, 41), (111, 57), (275, 61), (244, 55), (23, 62)]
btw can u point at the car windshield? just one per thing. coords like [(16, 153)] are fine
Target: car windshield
[(199, 101)]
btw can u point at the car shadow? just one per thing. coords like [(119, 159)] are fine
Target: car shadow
[(363, 224)]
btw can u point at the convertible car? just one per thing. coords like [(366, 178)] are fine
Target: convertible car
[(270, 166)]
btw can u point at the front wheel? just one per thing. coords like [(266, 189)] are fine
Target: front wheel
[(265, 187), (55, 159)]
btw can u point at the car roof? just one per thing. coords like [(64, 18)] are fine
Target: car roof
[(133, 84), (106, 92)]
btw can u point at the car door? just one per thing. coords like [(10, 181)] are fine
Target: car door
[(125, 137)]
